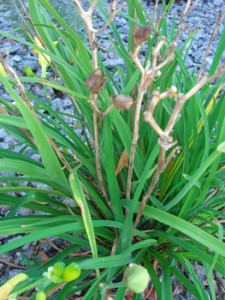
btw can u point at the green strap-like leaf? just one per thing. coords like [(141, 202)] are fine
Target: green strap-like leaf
[(79, 196), (46, 152)]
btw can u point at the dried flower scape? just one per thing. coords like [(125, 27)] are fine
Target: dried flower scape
[(95, 82)]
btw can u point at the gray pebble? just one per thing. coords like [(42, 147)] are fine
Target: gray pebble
[(32, 64), (112, 63), (39, 91), (17, 58), (218, 2), (179, 297), (57, 104), (1, 266)]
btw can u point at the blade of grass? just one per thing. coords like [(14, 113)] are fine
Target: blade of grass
[(110, 170), (80, 198), (48, 156), (166, 285), (183, 226)]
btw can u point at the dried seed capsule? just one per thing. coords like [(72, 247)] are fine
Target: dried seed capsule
[(122, 102), (136, 278), (142, 34), (95, 82)]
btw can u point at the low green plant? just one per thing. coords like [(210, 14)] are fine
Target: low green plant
[(30, 263), (147, 176)]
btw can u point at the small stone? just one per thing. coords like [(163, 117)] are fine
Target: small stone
[(111, 55), (67, 103), (39, 91), (7, 97), (26, 248), (112, 63), (23, 51), (178, 297), (17, 58), (32, 64), (57, 104), (11, 48), (10, 62), (189, 296), (1, 266), (14, 273), (218, 2), (209, 60), (104, 56)]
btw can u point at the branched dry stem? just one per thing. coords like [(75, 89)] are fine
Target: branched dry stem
[(97, 152), (165, 140), (87, 18), (155, 9), (191, 8), (185, 12), (147, 77), (113, 11), (163, 163), (180, 32), (219, 20), (103, 115), (158, 20)]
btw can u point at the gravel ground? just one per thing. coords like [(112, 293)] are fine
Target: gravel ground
[(204, 15)]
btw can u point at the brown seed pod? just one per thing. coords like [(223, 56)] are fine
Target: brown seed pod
[(142, 34), (95, 81), (122, 101)]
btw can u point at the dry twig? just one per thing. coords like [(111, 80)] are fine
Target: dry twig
[(87, 18), (147, 77), (165, 141), (219, 20)]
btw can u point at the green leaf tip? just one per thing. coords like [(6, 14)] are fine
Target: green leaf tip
[(221, 147)]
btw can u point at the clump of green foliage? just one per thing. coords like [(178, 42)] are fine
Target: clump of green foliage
[(147, 178)]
